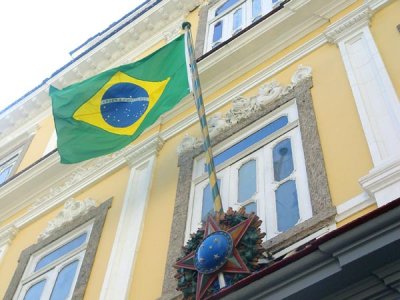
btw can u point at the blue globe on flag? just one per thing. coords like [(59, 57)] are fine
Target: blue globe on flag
[(123, 104)]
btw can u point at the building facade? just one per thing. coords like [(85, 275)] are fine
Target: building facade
[(304, 117)]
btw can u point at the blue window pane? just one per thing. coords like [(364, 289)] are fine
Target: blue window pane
[(217, 35), (228, 4), (247, 181), (251, 140), (75, 243), (35, 291), (287, 206), (64, 281), (283, 160), (256, 9), (208, 204), (251, 207), (237, 20), (5, 173)]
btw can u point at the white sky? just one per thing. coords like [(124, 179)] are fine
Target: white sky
[(37, 35)]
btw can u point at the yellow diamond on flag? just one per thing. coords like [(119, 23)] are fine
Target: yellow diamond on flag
[(122, 104)]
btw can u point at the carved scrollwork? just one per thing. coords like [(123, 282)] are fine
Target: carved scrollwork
[(301, 73), (72, 209), (269, 92), (243, 107)]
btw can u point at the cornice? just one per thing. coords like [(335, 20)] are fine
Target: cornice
[(135, 37), (62, 181), (352, 22), (7, 235), (286, 26), (65, 181)]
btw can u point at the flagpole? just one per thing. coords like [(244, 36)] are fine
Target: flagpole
[(198, 98)]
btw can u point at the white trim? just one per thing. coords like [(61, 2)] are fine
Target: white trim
[(52, 144), (83, 175), (50, 272), (120, 267), (382, 183), (374, 94), (66, 180), (376, 100), (307, 239), (6, 237), (353, 206), (261, 152)]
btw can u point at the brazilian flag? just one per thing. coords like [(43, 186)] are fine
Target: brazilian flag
[(105, 113)]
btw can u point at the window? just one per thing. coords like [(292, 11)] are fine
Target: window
[(8, 165), (52, 144), (262, 170), (58, 266), (269, 159), (52, 272), (228, 17)]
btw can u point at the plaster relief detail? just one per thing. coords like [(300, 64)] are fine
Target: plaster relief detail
[(269, 92), (243, 108), (188, 143), (7, 235), (301, 73), (216, 124), (72, 209)]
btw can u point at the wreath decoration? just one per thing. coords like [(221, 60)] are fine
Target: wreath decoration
[(236, 238)]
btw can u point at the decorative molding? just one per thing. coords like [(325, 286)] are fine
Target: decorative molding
[(95, 215), (16, 139), (269, 92), (72, 210), (353, 206), (127, 239), (81, 176), (173, 32), (323, 211), (383, 182), (52, 161), (6, 237), (135, 156), (301, 73), (8, 234), (111, 43), (352, 22), (242, 107), (376, 5)]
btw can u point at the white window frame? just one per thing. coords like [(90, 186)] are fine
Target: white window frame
[(262, 150), (12, 159), (52, 144), (227, 19), (51, 271)]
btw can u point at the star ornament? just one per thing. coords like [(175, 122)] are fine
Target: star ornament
[(217, 253)]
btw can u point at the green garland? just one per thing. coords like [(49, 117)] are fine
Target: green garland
[(249, 247)]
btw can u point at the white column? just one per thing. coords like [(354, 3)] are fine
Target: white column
[(376, 100), (120, 267), (7, 234)]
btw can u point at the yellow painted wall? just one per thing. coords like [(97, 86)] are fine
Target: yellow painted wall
[(39, 143), (345, 151), (344, 147), (387, 38), (113, 186), (357, 215)]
